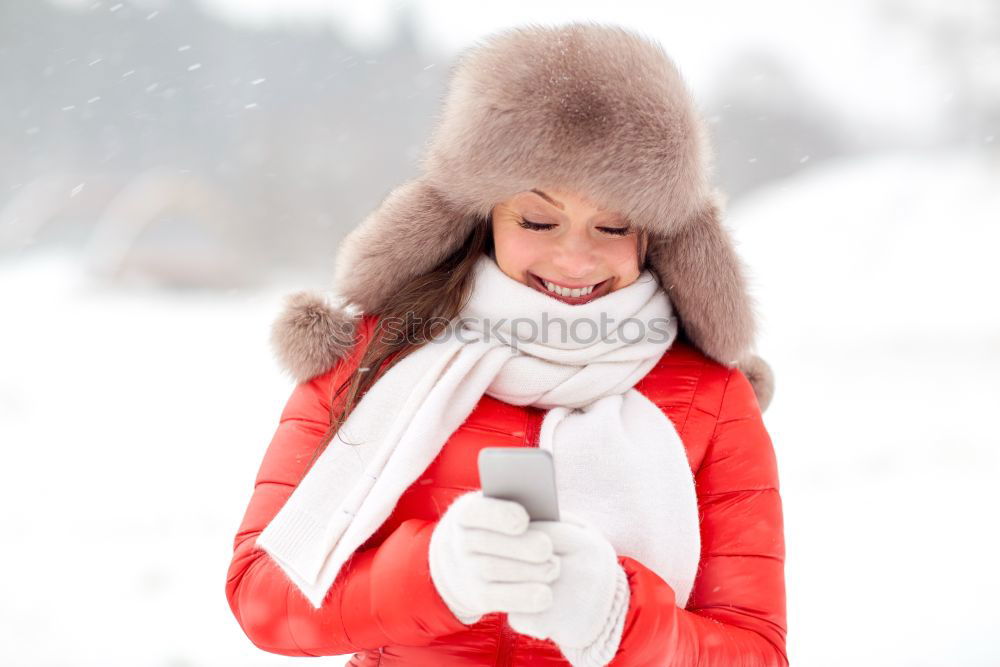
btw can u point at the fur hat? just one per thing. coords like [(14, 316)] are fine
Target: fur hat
[(587, 107)]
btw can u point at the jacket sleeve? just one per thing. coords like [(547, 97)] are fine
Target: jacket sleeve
[(362, 609), (736, 612)]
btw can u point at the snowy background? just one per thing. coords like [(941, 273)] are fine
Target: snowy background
[(171, 169)]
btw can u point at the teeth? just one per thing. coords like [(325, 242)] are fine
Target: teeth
[(565, 291)]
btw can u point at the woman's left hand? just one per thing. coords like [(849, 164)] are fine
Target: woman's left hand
[(589, 598)]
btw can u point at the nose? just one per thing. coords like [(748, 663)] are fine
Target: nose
[(576, 256)]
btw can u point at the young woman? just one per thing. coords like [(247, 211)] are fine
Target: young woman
[(557, 277)]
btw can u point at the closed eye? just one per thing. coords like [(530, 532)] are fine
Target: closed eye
[(540, 226), (535, 226)]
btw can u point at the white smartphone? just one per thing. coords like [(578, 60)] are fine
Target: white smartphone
[(523, 474)]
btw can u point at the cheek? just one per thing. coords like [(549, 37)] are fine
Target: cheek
[(517, 248), (623, 257)]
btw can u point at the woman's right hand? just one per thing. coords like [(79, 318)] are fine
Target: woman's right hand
[(484, 558)]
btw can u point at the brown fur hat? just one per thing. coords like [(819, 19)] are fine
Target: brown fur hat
[(587, 107)]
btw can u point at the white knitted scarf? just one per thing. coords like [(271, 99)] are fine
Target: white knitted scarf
[(619, 461)]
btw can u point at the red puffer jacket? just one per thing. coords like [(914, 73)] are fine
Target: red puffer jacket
[(384, 606)]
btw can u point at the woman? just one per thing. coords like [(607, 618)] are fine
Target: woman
[(565, 184)]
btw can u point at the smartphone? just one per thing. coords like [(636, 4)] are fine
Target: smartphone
[(523, 474)]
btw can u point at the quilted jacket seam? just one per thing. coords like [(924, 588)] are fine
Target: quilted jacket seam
[(727, 492), (288, 624), (722, 402), (303, 420), (694, 397)]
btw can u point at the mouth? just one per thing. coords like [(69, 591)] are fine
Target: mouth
[(599, 290)]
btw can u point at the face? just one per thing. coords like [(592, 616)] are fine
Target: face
[(561, 244)]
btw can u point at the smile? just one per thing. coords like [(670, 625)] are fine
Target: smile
[(572, 295)]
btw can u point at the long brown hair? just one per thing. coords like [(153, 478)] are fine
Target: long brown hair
[(430, 301)]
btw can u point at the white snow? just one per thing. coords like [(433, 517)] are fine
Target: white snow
[(876, 281), (132, 427)]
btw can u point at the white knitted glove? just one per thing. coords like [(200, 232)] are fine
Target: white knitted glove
[(484, 558), (590, 598)]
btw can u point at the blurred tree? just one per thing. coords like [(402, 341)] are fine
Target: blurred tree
[(964, 39)]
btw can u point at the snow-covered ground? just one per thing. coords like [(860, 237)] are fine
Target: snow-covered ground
[(876, 281), (132, 423)]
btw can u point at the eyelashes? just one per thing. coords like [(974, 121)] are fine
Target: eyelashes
[(540, 227), (534, 226)]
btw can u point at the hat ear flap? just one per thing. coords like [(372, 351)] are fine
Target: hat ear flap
[(705, 280), (413, 230)]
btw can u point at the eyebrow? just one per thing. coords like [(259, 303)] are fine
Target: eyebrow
[(548, 199), (552, 201)]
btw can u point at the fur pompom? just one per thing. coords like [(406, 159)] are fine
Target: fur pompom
[(312, 334), (761, 378)]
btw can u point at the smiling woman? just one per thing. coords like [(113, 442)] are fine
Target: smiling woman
[(560, 243), (562, 154)]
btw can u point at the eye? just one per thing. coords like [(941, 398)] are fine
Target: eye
[(534, 226), (616, 231)]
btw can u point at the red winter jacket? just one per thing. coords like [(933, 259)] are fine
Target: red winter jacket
[(384, 606)]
